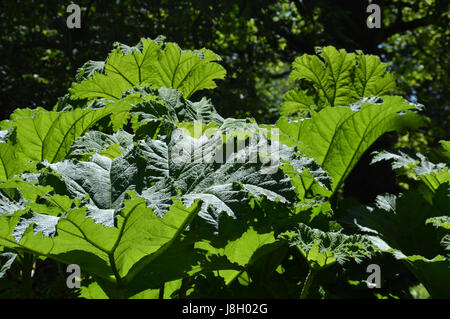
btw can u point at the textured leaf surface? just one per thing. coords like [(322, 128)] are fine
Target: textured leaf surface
[(172, 107), (149, 63), (199, 168), (42, 135), (103, 180), (403, 227), (337, 137), (108, 252), (208, 168), (49, 135), (186, 71), (240, 251), (446, 149), (9, 164), (96, 142), (433, 175), (8, 206), (6, 261), (322, 249), (338, 78)]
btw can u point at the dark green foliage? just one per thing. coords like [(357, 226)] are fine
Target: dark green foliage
[(155, 195)]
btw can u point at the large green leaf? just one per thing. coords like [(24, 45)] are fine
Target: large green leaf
[(187, 71), (43, 135), (241, 251), (337, 137), (440, 221), (102, 179), (6, 261), (208, 167), (433, 273), (148, 63), (149, 108), (121, 71), (108, 252), (339, 78), (9, 164)]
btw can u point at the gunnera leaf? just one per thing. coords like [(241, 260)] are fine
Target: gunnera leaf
[(322, 249), (149, 63), (208, 168), (337, 78), (337, 137)]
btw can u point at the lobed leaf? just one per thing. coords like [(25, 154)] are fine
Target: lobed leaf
[(322, 249), (337, 137), (339, 78), (149, 63)]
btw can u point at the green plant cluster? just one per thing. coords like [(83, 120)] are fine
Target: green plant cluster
[(146, 192)]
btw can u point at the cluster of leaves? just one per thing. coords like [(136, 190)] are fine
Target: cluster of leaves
[(157, 196), (413, 226)]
